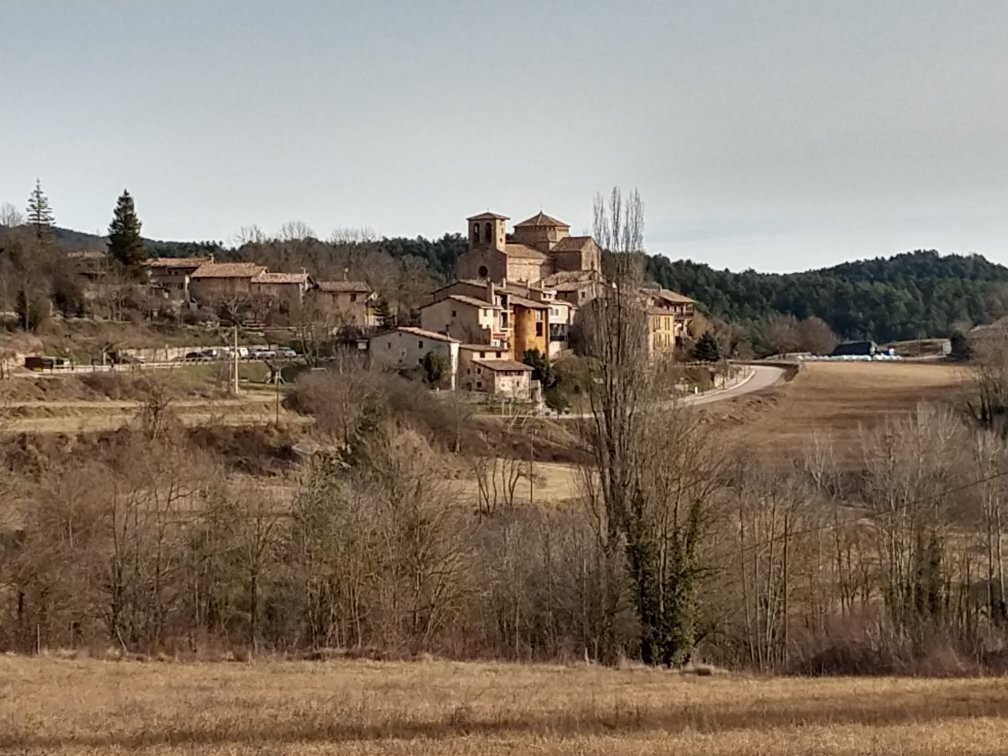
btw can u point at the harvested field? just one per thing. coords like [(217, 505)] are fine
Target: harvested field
[(80, 416), (88, 706), (835, 400)]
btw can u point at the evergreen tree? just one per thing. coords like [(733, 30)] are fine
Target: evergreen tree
[(125, 245), (40, 215), (706, 349), (960, 346), (542, 369), (386, 318), (436, 367)]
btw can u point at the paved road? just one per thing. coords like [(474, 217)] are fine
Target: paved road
[(763, 376)]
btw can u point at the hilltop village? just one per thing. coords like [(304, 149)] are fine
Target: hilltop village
[(516, 292)]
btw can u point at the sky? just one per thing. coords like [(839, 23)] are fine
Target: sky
[(766, 134)]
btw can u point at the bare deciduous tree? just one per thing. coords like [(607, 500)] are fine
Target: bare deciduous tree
[(10, 216)]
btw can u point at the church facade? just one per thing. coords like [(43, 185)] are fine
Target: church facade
[(538, 247)]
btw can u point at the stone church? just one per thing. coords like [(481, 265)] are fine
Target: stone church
[(538, 247)]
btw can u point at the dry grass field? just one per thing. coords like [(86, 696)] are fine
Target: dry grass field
[(833, 399), (88, 706)]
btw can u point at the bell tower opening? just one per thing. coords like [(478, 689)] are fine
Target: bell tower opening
[(487, 231)]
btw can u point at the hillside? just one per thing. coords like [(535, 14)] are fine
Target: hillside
[(79, 240), (901, 297)]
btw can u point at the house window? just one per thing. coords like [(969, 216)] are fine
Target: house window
[(475, 233), (420, 344), (539, 330), (454, 313), (389, 345), (482, 354), (483, 272), (479, 384), (353, 298), (488, 233)]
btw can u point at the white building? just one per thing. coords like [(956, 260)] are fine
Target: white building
[(405, 349)]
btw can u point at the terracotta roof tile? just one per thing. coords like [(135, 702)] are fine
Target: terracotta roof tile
[(502, 365), (177, 262), (281, 278), (523, 251), (541, 220), (228, 270), (355, 287), (488, 216), (572, 244), (424, 333), (471, 301), (483, 348), (531, 304)]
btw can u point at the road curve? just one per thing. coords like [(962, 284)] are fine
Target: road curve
[(763, 376)]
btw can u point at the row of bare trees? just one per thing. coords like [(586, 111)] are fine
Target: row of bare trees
[(881, 563)]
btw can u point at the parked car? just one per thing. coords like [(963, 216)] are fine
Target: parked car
[(286, 353)]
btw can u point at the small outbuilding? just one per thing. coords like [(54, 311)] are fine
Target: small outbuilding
[(855, 349)]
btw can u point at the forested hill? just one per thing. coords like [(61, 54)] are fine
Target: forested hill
[(902, 297), (81, 241)]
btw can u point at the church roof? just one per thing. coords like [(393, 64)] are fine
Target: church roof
[(488, 216), (572, 244), (522, 250), (541, 220)]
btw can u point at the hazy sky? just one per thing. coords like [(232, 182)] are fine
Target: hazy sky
[(773, 135)]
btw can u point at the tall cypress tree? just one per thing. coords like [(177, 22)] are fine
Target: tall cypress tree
[(40, 215), (125, 245)]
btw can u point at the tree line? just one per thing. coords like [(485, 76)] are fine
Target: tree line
[(907, 296)]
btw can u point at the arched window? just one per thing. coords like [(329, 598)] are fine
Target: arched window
[(489, 234), (475, 233)]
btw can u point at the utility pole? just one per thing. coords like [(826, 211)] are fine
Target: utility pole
[(276, 384), (531, 454), (234, 359)]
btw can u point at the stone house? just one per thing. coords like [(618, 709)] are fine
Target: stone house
[(463, 317), (215, 282), (284, 290), (669, 316), (405, 348), (575, 286), (489, 369), (171, 275), (507, 315), (349, 301)]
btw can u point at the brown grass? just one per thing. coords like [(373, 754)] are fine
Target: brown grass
[(833, 399), (86, 706)]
